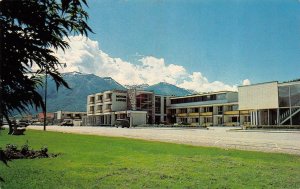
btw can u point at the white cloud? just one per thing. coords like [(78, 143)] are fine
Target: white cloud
[(85, 55), (246, 82), (200, 83)]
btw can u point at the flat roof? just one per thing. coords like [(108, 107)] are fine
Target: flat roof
[(203, 94), (288, 83), (279, 83), (204, 103), (258, 84)]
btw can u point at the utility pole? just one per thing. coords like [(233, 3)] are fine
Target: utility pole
[(1, 97), (45, 111)]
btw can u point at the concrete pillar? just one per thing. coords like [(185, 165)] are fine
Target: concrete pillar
[(255, 117), (162, 105), (131, 121), (268, 117), (251, 118), (278, 120), (112, 119)]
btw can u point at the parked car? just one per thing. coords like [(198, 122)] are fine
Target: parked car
[(122, 123), (67, 123), (23, 123)]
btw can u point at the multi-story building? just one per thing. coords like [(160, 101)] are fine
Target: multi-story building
[(161, 103), (154, 105), (101, 107), (138, 106), (209, 109), (271, 104)]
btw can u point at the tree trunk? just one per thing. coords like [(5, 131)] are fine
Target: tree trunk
[(10, 130)]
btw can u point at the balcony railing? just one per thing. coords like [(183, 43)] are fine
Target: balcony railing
[(182, 114), (108, 100), (194, 114), (108, 110), (244, 112), (206, 114), (236, 112), (91, 102), (219, 112), (99, 101), (98, 111), (91, 112)]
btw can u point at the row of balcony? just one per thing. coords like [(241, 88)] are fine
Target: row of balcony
[(236, 112), (100, 111), (100, 101)]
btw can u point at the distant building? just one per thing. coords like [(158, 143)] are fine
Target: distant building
[(75, 117), (49, 117)]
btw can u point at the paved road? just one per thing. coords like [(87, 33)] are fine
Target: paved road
[(269, 141)]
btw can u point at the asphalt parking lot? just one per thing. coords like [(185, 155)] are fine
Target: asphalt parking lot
[(281, 141)]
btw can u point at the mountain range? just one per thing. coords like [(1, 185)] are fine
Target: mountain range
[(82, 85)]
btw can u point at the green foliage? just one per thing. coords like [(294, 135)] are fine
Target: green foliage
[(4, 159), (30, 31), (106, 162), (12, 152)]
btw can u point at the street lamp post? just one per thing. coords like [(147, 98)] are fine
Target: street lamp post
[(45, 110)]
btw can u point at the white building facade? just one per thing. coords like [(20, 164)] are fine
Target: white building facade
[(137, 106), (272, 103)]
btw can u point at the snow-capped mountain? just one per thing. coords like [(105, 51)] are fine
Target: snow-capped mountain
[(82, 85)]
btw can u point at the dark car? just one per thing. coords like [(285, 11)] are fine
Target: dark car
[(122, 123), (23, 123), (67, 123)]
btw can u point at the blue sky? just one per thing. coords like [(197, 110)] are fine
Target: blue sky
[(224, 40), (201, 45)]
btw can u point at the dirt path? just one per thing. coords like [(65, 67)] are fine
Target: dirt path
[(268, 141)]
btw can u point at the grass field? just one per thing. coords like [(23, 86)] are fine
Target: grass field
[(105, 162)]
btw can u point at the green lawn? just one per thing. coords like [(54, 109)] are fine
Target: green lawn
[(106, 162)]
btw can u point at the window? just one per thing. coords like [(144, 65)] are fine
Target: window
[(295, 95), (220, 109), (99, 98), (220, 120), (157, 104), (232, 108), (221, 96), (92, 99), (184, 110), (234, 119), (165, 105), (283, 93), (208, 109)]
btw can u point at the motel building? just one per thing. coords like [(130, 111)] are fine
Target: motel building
[(272, 103), (267, 104), (137, 106), (209, 109)]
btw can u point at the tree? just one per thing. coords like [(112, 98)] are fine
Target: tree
[(30, 32)]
